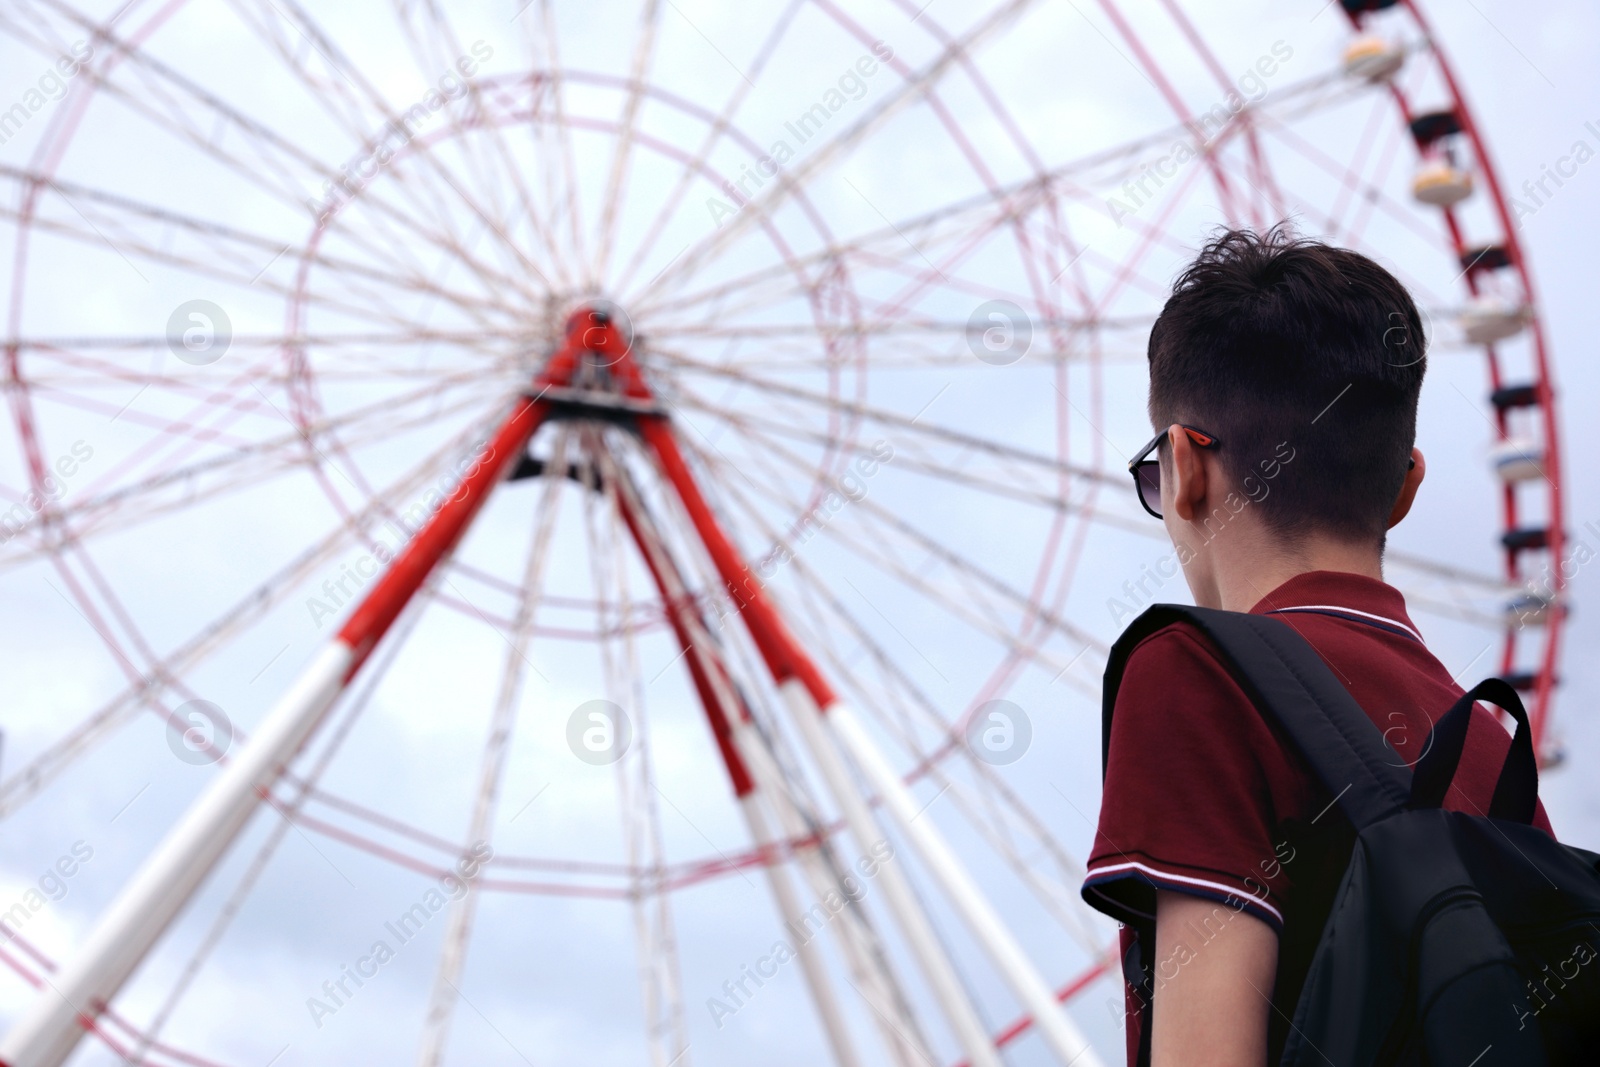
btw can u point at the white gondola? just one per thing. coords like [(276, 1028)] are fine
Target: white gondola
[(1488, 319), (1441, 183), (1373, 59), (1529, 609), (1517, 459)]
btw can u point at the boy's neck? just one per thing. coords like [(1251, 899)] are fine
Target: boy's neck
[(1242, 579)]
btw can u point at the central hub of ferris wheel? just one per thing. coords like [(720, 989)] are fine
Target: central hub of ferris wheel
[(593, 369)]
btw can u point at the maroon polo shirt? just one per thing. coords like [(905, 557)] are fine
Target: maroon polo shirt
[(1204, 796)]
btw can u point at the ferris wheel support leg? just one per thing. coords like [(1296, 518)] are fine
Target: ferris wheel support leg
[(878, 985), (71, 1001), (723, 708), (935, 962), (797, 677), (76, 996), (1064, 1038), (805, 947)]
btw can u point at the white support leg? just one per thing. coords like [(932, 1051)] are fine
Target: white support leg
[(1037, 999), (811, 964), (47, 1033), (902, 1037), (702, 649), (936, 966)]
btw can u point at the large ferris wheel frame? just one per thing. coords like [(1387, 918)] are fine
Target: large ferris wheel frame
[(155, 898), (80, 992)]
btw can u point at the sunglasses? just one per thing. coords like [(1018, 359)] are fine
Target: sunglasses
[(1146, 468)]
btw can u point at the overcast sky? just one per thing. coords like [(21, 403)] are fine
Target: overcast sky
[(457, 322)]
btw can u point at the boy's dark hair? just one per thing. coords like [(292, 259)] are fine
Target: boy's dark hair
[(1268, 338)]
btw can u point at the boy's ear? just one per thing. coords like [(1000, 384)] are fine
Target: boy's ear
[(1408, 489), (1188, 475)]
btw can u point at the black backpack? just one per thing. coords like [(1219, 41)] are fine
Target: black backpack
[(1451, 939)]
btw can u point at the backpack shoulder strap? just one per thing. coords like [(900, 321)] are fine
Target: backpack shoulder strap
[(1286, 680)]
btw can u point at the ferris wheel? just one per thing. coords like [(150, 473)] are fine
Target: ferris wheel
[(637, 488)]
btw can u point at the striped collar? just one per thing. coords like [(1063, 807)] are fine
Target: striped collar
[(1346, 596), (1394, 626)]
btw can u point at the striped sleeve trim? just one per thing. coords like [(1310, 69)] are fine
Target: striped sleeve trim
[(1181, 883)]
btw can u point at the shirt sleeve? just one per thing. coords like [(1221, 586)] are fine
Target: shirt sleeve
[(1187, 803)]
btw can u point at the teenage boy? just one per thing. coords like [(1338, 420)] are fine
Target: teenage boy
[(1284, 376)]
